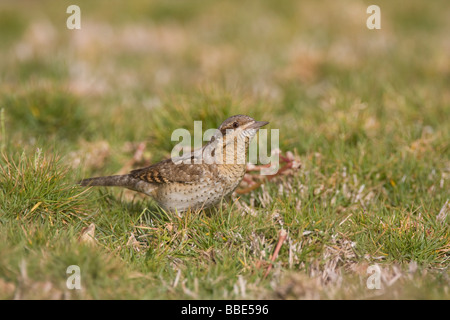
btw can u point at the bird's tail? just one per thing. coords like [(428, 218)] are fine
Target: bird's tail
[(126, 181), (109, 181)]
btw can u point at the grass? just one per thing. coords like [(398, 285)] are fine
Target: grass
[(364, 111)]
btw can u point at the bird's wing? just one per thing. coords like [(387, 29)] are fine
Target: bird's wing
[(167, 171)]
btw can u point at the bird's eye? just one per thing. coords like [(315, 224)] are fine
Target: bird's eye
[(235, 124)]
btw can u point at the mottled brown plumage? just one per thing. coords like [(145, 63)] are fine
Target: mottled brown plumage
[(167, 171), (199, 179)]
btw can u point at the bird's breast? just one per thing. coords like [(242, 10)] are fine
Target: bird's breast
[(208, 191)]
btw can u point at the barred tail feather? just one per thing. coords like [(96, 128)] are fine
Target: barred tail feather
[(126, 181)]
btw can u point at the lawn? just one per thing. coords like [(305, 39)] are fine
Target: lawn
[(365, 112)]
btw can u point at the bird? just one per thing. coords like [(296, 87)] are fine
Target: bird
[(198, 179)]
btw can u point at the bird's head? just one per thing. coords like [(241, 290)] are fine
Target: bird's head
[(231, 140), (238, 128)]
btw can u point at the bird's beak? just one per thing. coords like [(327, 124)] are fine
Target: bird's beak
[(257, 124)]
